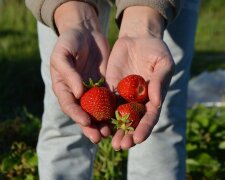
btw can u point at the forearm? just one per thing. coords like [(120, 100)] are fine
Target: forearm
[(141, 20), (75, 14)]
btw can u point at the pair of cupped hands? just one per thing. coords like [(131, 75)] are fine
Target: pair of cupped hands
[(82, 51)]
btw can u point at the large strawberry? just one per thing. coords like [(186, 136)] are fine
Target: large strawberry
[(133, 88), (98, 102), (128, 116)]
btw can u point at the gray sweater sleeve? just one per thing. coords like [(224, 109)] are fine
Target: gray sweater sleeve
[(169, 9), (43, 10)]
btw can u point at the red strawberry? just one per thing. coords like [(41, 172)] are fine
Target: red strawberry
[(99, 103), (133, 88), (128, 116)]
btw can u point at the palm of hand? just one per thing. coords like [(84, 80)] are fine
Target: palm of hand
[(150, 58), (77, 56), (85, 52)]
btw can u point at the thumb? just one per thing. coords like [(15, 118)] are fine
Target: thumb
[(160, 81), (65, 66)]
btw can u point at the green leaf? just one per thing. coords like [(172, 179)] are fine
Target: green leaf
[(30, 177), (125, 117), (130, 129), (127, 121), (222, 145), (114, 121), (213, 128), (191, 147), (192, 162), (100, 82), (123, 126), (190, 168), (30, 158), (7, 164), (220, 134), (205, 122), (117, 115), (205, 159)]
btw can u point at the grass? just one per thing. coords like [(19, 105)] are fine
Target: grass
[(21, 84), (210, 37)]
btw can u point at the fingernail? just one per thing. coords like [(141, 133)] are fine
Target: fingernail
[(85, 122), (136, 140), (116, 149), (160, 104), (91, 139)]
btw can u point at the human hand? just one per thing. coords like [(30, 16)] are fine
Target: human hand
[(81, 52), (141, 50)]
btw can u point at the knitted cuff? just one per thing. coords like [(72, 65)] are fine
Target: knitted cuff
[(167, 8), (44, 10)]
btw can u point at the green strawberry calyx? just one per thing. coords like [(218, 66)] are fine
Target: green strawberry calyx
[(91, 83), (122, 122)]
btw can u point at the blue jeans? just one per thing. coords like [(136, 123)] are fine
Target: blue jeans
[(65, 153)]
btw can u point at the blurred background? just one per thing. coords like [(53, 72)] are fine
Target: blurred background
[(21, 95)]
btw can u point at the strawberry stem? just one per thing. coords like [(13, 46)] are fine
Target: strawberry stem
[(122, 122), (91, 83)]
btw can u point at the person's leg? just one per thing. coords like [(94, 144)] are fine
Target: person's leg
[(64, 153), (162, 156)]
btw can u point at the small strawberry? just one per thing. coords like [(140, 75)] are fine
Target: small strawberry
[(98, 102), (133, 88), (128, 116)]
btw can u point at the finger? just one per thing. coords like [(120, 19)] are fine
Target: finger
[(64, 64), (92, 133), (117, 138), (104, 50), (160, 79), (146, 124), (68, 102), (104, 129), (115, 68), (127, 141)]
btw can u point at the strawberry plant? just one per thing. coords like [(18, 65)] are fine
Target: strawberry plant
[(18, 159), (24, 127), (109, 164), (206, 143), (19, 163)]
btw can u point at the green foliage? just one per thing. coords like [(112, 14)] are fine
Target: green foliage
[(18, 159), (210, 32), (20, 80), (23, 128), (18, 30), (210, 37), (20, 163), (205, 147), (109, 164), (206, 143)]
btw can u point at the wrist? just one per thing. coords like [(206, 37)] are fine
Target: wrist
[(140, 20), (76, 15)]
